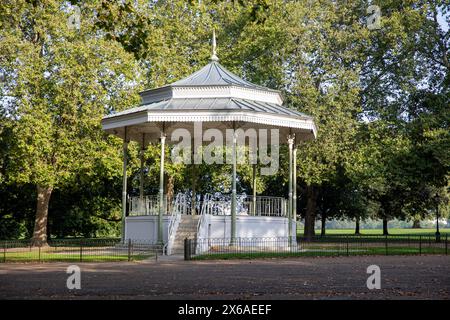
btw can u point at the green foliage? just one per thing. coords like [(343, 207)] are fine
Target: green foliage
[(60, 81), (379, 98), (402, 157)]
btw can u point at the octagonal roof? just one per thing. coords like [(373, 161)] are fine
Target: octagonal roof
[(213, 95)]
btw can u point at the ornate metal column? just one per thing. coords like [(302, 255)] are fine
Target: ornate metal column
[(233, 189), (124, 182), (142, 205), (294, 193), (289, 213), (161, 189), (254, 191), (194, 178)]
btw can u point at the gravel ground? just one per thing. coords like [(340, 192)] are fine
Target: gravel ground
[(402, 277)]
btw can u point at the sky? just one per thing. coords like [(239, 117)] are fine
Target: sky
[(442, 21)]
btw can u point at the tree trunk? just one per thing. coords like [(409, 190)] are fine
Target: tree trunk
[(40, 223), (324, 221), (169, 190), (310, 213), (385, 227), (416, 224), (357, 226)]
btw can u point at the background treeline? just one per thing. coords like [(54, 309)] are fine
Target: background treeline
[(380, 98)]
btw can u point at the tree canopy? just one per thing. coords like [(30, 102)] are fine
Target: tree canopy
[(379, 96)]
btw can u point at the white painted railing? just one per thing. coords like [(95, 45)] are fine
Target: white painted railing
[(179, 207), (202, 226), (202, 231), (146, 206), (265, 206)]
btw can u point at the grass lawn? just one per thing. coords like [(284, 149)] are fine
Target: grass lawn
[(414, 243), (33, 256), (425, 232), (320, 253)]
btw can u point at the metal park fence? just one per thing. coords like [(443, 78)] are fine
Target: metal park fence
[(317, 246), (376, 244), (78, 250), (226, 247)]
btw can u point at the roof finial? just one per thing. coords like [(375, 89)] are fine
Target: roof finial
[(214, 55)]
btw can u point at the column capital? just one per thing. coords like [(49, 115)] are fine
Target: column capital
[(291, 140)]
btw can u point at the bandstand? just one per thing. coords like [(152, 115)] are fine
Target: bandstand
[(210, 102)]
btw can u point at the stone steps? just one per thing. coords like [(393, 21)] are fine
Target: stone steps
[(186, 229)]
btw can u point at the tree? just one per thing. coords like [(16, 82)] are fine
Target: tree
[(379, 97), (325, 43), (341, 198), (61, 79), (306, 49), (405, 99)]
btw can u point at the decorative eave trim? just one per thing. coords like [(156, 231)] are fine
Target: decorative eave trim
[(125, 120), (305, 123)]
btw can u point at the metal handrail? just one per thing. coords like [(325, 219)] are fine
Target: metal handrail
[(178, 208), (173, 213), (202, 213)]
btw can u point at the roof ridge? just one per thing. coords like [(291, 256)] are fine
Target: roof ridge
[(202, 77)]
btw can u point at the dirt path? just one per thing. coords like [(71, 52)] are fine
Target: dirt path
[(402, 277)]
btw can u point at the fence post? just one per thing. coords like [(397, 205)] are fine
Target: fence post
[(446, 244), (81, 251), (420, 245), (129, 250), (39, 253), (347, 246), (4, 251), (187, 249), (386, 244), (190, 248)]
